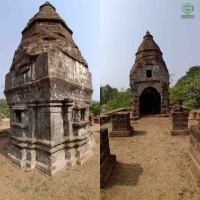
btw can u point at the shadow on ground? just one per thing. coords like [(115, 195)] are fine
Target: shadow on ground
[(3, 144), (139, 133), (124, 174)]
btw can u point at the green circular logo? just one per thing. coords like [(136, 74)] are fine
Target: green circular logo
[(187, 8)]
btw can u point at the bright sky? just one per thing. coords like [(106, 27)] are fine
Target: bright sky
[(123, 23), (82, 17)]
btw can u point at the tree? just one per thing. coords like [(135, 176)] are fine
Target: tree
[(105, 93), (4, 108), (120, 99), (95, 107), (187, 89)]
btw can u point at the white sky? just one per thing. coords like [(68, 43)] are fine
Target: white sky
[(83, 17), (123, 25)]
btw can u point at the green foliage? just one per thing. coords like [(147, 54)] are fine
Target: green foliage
[(4, 108), (105, 93), (119, 100), (187, 89), (95, 107)]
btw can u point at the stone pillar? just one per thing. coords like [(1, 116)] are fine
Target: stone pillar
[(193, 157), (178, 121), (121, 125), (164, 98), (136, 105), (107, 161)]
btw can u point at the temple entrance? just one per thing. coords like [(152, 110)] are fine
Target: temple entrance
[(150, 101)]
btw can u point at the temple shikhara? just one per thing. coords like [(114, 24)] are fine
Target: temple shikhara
[(48, 90), (149, 79)]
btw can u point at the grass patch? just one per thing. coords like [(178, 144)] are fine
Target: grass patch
[(2, 163), (26, 189), (31, 178), (83, 197), (42, 187), (112, 182), (166, 133), (17, 183)]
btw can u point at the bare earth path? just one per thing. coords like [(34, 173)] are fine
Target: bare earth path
[(150, 164)]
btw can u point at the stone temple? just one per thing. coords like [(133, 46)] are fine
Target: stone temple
[(48, 89), (149, 79)]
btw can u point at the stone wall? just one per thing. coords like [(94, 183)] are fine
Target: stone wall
[(105, 119), (4, 133), (193, 157), (178, 121), (121, 125), (107, 161)]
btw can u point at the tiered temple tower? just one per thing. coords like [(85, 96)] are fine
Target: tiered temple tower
[(149, 79), (48, 89)]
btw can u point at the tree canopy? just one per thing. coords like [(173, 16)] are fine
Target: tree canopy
[(105, 93), (95, 107), (4, 108), (120, 99), (187, 89)]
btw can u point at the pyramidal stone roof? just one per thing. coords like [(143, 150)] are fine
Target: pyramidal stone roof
[(46, 31), (47, 13), (148, 43)]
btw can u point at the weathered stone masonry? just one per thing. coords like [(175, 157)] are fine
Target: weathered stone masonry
[(178, 121), (121, 125), (107, 160), (149, 79), (193, 157), (48, 89)]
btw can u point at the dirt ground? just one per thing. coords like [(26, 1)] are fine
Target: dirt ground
[(150, 164), (72, 183)]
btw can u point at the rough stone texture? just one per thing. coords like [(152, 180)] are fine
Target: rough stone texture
[(193, 157), (121, 125), (149, 79), (4, 133), (107, 161), (48, 90), (193, 114), (178, 121), (96, 120), (105, 119)]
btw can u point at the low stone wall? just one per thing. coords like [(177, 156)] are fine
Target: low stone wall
[(121, 125), (178, 121), (193, 114), (107, 161), (105, 119), (117, 110), (193, 157), (4, 133), (97, 120)]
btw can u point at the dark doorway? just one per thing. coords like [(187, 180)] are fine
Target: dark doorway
[(150, 101)]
